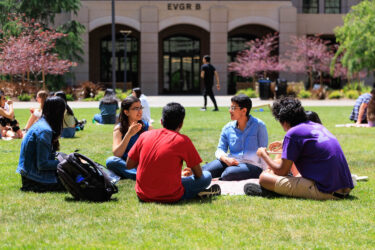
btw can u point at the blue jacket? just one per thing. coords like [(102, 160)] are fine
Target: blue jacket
[(243, 145), (37, 160)]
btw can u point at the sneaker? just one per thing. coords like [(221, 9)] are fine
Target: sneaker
[(214, 190), (254, 189), (203, 109), (215, 109)]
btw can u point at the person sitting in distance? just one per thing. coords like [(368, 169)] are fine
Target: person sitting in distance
[(243, 136), (108, 106), (359, 112), (146, 107), (69, 122), (315, 152)]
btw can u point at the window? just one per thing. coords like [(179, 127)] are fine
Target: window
[(131, 59), (332, 6), (310, 6)]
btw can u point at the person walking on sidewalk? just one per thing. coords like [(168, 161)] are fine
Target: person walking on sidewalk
[(207, 74)]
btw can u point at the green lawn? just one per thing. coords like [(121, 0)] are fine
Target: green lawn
[(30, 220)]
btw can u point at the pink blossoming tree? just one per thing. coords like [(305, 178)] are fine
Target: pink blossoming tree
[(31, 51), (257, 59)]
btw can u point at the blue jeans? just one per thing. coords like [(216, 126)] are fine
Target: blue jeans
[(118, 166), (232, 173), (68, 132), (194, 185), (106, 119)]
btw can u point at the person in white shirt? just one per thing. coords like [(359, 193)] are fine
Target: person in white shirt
[(146, 107)]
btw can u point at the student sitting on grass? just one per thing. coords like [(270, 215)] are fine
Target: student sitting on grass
[(36, 113), (243, 136), (9, 126), (277, 146), (146, 107), (315, 152), (37, 165), (69, 123), (359, 112), (159, 155), (125, 134), (371, 112), (108, 106)]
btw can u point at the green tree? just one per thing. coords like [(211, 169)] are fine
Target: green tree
[(357, 40)]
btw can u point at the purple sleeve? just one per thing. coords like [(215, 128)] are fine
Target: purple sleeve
[(291, 149)]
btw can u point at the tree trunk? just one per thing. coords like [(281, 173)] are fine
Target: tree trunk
[(43, 80), (311, 79)]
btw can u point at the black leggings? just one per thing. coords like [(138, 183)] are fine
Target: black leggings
[(33, 186), (210, 93)]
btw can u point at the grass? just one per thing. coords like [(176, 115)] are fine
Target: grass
[(55, 220)]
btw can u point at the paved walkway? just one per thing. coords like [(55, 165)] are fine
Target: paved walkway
[(196, 101)]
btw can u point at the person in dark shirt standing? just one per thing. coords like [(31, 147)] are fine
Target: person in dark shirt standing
[(207, 74)]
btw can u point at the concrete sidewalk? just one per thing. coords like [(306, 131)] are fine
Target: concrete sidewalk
[(195, 101)]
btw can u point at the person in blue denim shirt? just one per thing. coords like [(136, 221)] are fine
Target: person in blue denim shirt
[(125, 134), (243, 136), (108, 107), (37, 165)]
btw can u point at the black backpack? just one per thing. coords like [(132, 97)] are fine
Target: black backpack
[(86, 179)]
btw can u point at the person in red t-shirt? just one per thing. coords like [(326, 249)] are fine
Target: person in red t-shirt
[(159, 155)]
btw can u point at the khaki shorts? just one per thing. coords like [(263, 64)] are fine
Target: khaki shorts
[(301, 188)]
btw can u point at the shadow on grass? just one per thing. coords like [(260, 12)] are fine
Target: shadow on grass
[(350, 197), (71, 199), (183, 202)]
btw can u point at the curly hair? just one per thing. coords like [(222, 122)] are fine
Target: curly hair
[(290, 110)]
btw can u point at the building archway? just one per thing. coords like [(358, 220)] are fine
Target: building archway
[(237, 39), (181, 49), (100, 55)]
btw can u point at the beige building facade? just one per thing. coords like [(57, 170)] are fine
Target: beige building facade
[(169, 38)]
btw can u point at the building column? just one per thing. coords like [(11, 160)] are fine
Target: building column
[(82, 70), (288, 28), (321, 6), (218, 45), (149, 50)]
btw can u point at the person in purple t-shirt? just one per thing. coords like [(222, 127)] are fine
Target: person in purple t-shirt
[(315, 152)]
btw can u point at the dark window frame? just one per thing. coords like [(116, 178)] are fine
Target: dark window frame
[(334, 7), (308, 6)]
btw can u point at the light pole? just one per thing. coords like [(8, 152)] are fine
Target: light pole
[(125, 33), (113, 47)]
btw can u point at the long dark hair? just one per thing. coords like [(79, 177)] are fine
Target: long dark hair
[(371, 109), (62, 95), (124, 119), (109, 97), (53, 111)]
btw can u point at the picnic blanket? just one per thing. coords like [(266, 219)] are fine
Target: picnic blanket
[(233, 187)]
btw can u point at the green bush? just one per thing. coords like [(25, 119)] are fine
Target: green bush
[(335, 95), (120, 95), (352, 94), (89, 99), (304, 94), (249, 92), (69, 97), (24, 97), (99, 96)]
